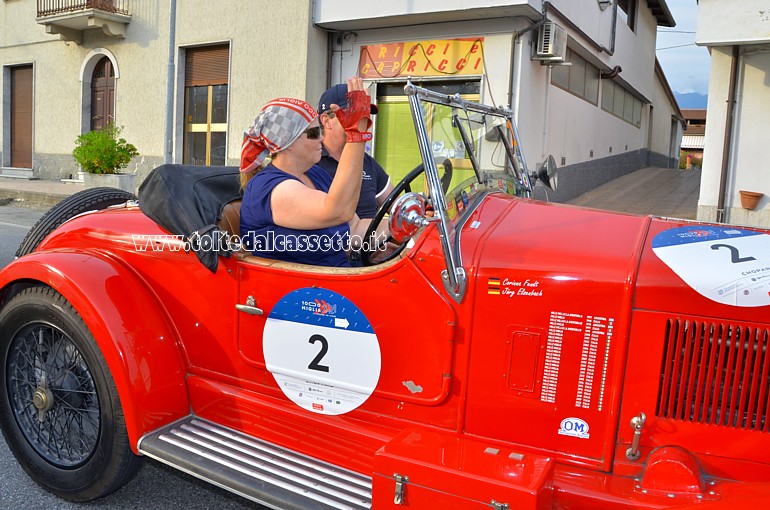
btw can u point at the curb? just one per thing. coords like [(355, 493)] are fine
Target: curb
[(30, 199)]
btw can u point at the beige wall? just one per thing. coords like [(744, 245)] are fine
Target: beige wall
[(271, 56), (23, 41)]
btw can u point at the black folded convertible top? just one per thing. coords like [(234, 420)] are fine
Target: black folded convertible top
[(187, 201)]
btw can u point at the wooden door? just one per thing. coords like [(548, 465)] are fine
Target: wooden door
[(102, 95), (21, 117)]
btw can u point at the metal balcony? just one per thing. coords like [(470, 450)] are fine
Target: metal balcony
[(70, 18)]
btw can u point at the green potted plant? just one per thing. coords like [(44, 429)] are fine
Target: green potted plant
[(102, 154)]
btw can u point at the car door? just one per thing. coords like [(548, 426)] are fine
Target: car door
[(335, 341)]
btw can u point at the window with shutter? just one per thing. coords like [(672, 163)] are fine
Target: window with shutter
[(206, 88)]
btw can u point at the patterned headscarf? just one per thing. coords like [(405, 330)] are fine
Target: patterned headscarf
[(277, 126)]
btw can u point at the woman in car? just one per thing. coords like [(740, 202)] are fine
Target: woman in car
[(292, 209)]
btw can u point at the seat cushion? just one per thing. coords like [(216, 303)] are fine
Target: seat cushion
[(230, 219)]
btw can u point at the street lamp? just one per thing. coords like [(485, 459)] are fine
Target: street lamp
[(603, 4)]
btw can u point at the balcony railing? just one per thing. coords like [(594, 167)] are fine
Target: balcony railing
[(71, 18), (52, 7)]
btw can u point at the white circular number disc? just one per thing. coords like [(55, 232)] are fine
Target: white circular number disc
[(322, 351), (725, 264)]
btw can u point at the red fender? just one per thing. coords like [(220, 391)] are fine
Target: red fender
[(134, 335)]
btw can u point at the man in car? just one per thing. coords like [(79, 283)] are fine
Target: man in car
[(375, 186)]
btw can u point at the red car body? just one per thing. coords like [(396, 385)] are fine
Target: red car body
[(519, 395)]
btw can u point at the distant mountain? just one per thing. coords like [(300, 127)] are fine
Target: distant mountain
[(691, 100)]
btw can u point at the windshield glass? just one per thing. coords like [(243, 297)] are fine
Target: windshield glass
[(467, 149), (473, 149)]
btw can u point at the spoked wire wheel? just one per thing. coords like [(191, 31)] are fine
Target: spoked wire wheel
[(60, 410), (53, 395)]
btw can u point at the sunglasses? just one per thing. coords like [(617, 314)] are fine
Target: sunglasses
[(314, 133)]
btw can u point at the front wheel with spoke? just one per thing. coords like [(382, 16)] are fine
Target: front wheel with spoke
[(59, 407)]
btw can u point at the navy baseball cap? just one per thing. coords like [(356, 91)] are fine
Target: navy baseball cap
[(337, 95)]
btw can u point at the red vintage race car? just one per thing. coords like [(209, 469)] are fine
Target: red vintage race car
[(510, 353)]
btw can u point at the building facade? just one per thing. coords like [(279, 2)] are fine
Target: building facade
[(598, 102), (737, 34), (185, 79), (694, 132)]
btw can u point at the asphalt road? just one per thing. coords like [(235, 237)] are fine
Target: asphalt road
[(14, 224), (155, 487)]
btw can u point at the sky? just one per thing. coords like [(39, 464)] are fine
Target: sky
[(686, 66)]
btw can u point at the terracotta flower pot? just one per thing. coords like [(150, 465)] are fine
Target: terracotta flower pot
[(750, 199)]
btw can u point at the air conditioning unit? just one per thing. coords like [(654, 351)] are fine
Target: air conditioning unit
[(551, 43)]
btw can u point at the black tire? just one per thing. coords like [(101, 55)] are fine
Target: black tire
[(92, 199), (59, 407)]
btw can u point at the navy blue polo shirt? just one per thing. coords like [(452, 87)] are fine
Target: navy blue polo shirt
[(260, 235), (374, 183)]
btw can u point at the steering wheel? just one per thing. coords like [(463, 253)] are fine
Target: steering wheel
[(403, 186)]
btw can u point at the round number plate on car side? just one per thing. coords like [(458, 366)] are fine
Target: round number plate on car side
[(728, 265), (322, 351)]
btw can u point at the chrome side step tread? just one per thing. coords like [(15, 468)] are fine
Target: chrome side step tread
[(257, 470)]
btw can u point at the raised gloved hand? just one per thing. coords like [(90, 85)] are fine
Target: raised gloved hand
[(358, 110)]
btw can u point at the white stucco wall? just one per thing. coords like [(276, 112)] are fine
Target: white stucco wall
[(336, 14), (578, 127), (747, 167), (140, 92), (497, 50), (746, 24), (724, 22), (19, 26), (634, 50), (661, 130), (719, 81), (551, 120), (751, 170)]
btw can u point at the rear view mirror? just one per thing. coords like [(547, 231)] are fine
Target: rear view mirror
[(546, 173)]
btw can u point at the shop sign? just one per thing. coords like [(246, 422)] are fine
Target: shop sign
[(422, 58)]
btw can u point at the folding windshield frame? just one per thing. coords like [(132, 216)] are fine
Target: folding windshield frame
[(454, 276)]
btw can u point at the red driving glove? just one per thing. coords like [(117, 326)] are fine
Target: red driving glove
[(358, 108)]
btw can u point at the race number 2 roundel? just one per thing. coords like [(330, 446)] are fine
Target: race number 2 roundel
[(322, 351), (725, 264)]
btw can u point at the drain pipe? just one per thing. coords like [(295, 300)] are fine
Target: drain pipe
[(168, 145), (330, 38), (614, 33), (548, 72), (517, 55), (546, 123), (726, 153)]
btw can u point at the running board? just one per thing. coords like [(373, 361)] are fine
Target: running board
[(257, 470)]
